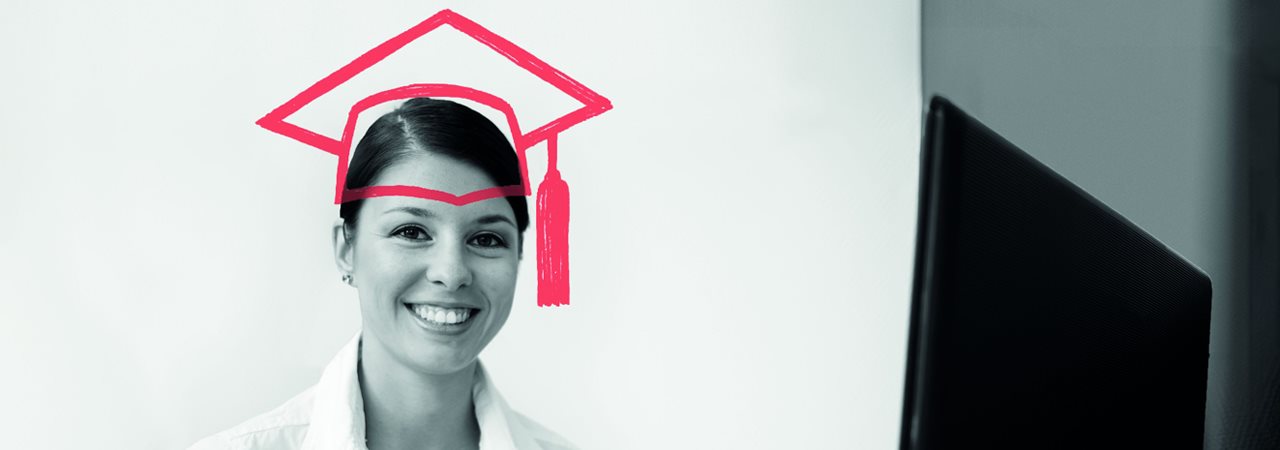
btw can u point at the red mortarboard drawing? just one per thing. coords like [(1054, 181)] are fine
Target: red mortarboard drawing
[(552, 215)]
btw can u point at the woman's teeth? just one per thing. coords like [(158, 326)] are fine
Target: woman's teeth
[(447, 316)]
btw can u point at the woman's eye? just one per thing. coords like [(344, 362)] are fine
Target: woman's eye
[(411, 233), (489, 240)]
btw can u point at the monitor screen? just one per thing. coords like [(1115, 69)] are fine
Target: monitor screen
[(1040, 317)]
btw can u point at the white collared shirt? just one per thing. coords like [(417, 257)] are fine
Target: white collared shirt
[(330, 416)]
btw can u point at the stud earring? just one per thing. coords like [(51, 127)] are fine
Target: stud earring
[(346, 278)]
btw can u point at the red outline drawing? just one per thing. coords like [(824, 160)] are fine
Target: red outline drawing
[(553, 202)]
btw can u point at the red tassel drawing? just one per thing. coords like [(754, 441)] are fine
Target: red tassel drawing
[(553, 234)]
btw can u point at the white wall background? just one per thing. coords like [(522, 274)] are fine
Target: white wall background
[(743, 220)]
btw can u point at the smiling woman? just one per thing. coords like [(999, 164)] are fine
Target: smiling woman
[(436, 283)]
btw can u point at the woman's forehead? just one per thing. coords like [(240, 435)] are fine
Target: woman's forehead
[(436, 172), (400, 206), (440, 173)]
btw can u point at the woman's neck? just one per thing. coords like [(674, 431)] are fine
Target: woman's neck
[(405, 409)]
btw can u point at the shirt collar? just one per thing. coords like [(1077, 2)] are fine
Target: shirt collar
[(337, 415)]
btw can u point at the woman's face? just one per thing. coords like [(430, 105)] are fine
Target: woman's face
[(436, 281)]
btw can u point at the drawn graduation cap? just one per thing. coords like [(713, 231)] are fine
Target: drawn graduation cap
[(552, 215)]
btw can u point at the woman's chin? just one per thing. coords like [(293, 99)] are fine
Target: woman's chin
[(434, 360)]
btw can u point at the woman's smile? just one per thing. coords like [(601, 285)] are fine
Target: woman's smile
[(443, 320)]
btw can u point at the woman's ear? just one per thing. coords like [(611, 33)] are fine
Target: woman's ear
[(343, 251)]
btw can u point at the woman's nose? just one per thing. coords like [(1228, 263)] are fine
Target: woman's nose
[(448, 268)]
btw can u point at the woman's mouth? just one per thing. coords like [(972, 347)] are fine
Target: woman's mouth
[(442, 319)]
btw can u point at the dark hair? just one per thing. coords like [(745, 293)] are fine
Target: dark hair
[(439, 126)]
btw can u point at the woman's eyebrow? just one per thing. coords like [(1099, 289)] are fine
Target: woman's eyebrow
[(494, 218), (421, 212)]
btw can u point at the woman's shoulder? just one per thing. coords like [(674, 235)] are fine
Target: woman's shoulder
[(281, 428)]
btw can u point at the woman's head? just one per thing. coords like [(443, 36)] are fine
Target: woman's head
[(435, 280), (437, 126)]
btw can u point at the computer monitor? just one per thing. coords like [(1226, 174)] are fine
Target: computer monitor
[(1040, 317)]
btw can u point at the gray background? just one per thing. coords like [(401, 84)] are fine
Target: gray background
[(1167, 112)]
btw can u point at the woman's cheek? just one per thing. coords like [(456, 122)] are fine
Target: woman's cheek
[(392, 263), (499, 279), (509, 269), (386, 271)]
